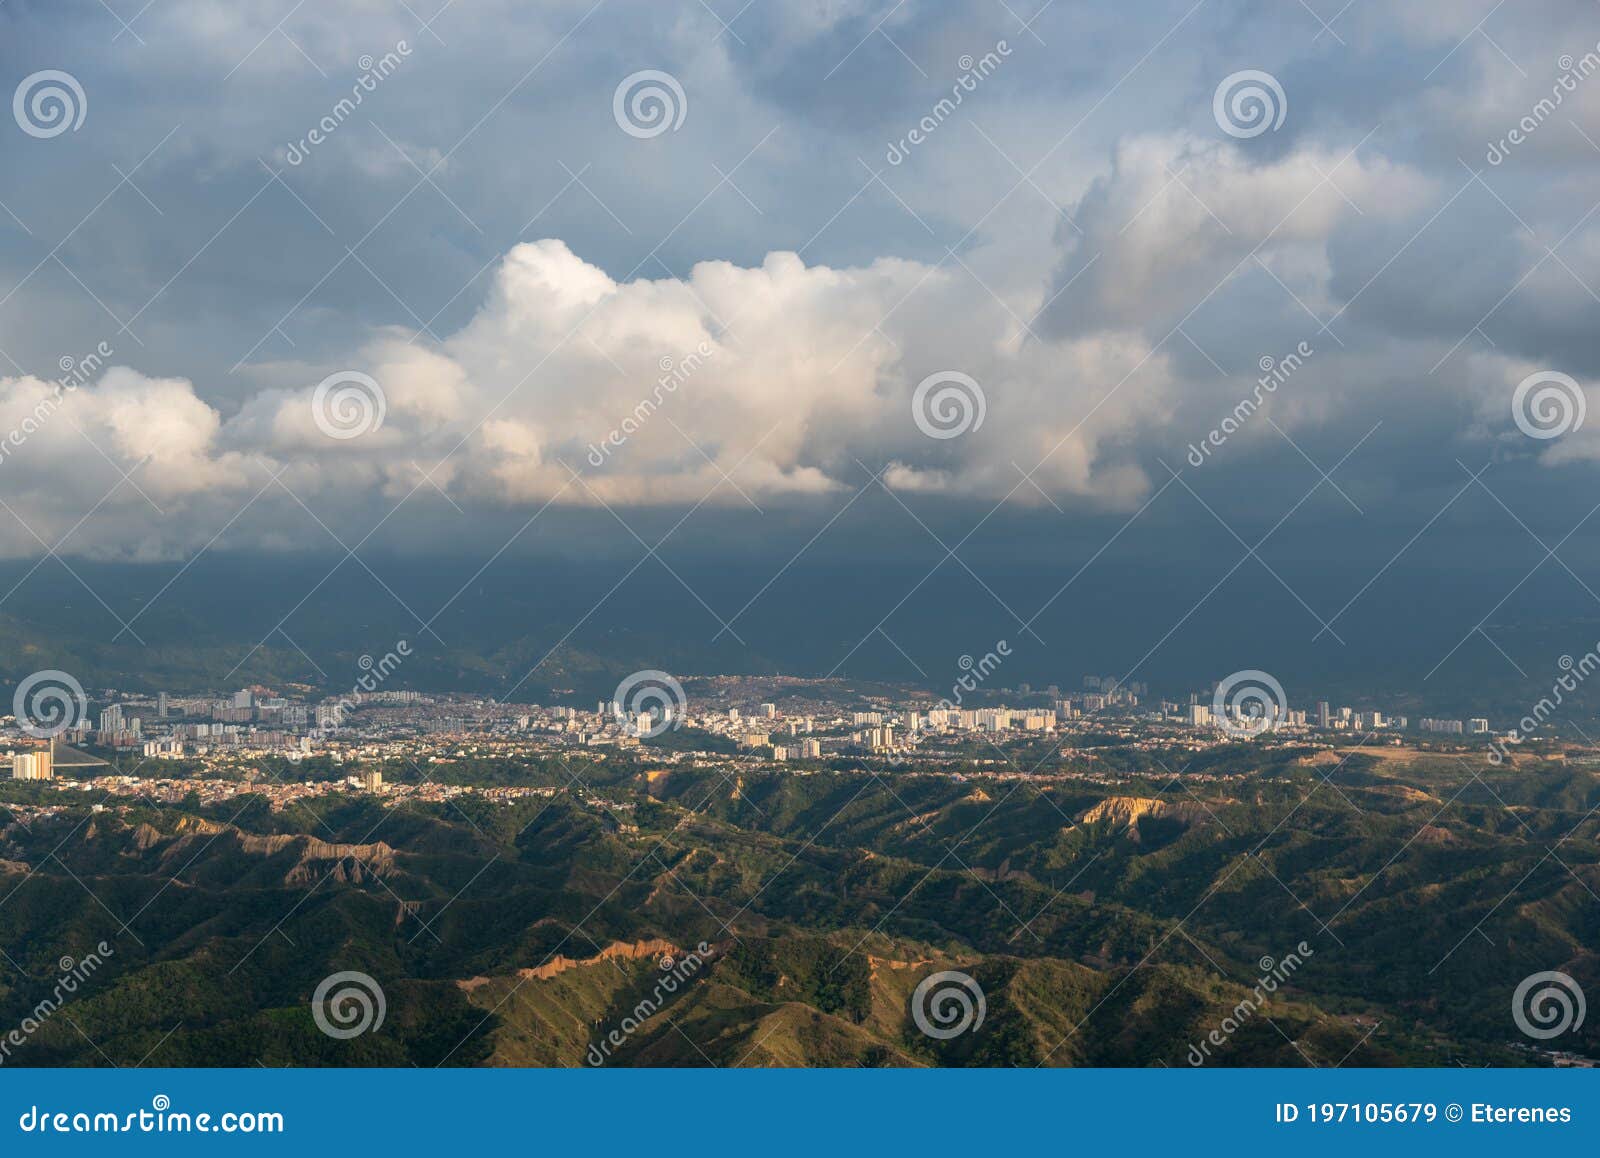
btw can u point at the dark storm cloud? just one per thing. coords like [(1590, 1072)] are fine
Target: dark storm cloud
[(1078, 234)]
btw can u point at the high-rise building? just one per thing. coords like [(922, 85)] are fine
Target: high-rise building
[(1324, 714), (372, 780), (161, 705), (111, 719), (36, 765), (769, 710)]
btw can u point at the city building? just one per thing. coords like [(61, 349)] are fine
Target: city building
[(37, 765)]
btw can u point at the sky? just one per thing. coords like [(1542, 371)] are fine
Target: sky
[(1295, 302)]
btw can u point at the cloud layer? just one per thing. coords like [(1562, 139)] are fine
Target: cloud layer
[(742, 313)]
